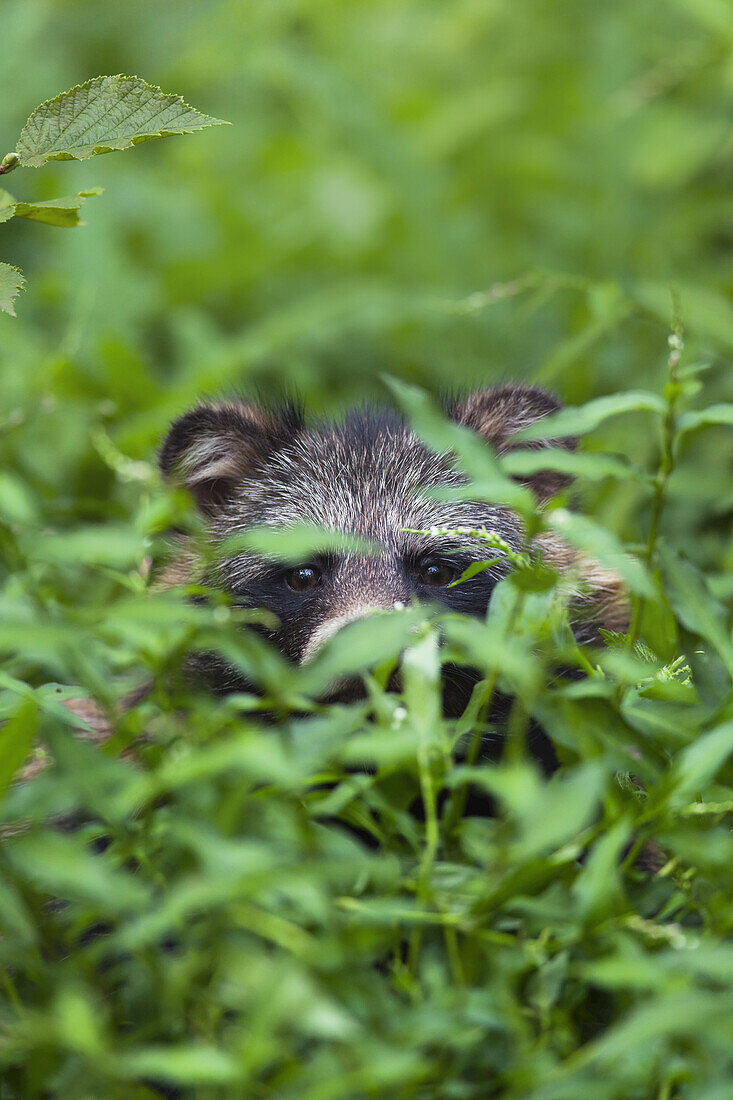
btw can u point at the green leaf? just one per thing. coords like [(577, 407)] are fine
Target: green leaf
[(715, 414), (474, 456), (102, 115), (360, 644), (60, 212), (16, 740), (189, 1064), (601, 545), (7, 206), (595, 467), (421, 676), (580, 419), (597, 888), (473, 570), (694, 604), (292, 544), (63, 865), (11, 283), (697, 765)]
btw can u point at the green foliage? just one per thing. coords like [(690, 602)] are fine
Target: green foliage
[(61, 212), (11, 283), (265, 895), (100, 116)]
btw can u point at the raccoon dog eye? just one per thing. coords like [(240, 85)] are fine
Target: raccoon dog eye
[(303, 578), (436, 574)]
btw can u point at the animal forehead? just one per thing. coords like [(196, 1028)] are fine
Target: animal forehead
[(340, 475), (363, 477)]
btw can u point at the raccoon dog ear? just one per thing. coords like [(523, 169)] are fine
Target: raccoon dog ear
[(497, 414), (212, 447)]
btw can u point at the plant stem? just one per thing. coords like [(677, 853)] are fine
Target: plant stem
[(667, 460)]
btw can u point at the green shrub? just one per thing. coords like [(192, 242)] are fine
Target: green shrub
[(307, 904), (264, 896)]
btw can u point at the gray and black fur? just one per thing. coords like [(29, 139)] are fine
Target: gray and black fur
[(367, 475)]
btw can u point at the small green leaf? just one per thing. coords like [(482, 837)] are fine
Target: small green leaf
[(695, 606), (189, 1064), (60, 212), (292, 544), (597, 888), (11, 283), (102, 115), (473, 570), (601, 545), (697, 765), (16, 740), (595, 467), (473, 456), (715, 414), (64, 866), (7, 206), (580, 419)]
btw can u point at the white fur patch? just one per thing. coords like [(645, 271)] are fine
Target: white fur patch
[(330, 627)]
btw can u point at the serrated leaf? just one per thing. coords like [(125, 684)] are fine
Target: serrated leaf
[(103, 115), (63, 212), (7, 205), (11, 283), (580, 419)]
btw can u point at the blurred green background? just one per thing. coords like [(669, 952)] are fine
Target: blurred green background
[(454, 192)]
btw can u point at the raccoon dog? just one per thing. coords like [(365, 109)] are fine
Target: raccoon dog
[(368, 475)]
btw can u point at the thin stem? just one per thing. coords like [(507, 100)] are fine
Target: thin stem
[(432, 841), (667, 459), (458, 802)]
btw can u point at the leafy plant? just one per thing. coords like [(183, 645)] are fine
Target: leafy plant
[(99, 116), (366, 899), (346, 902)]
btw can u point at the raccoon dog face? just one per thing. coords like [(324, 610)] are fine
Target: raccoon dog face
[(366, 475)]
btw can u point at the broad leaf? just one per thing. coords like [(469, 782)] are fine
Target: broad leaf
[(11, 283), (102, 115)]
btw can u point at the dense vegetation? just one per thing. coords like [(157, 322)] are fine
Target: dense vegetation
[(267, 897)]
